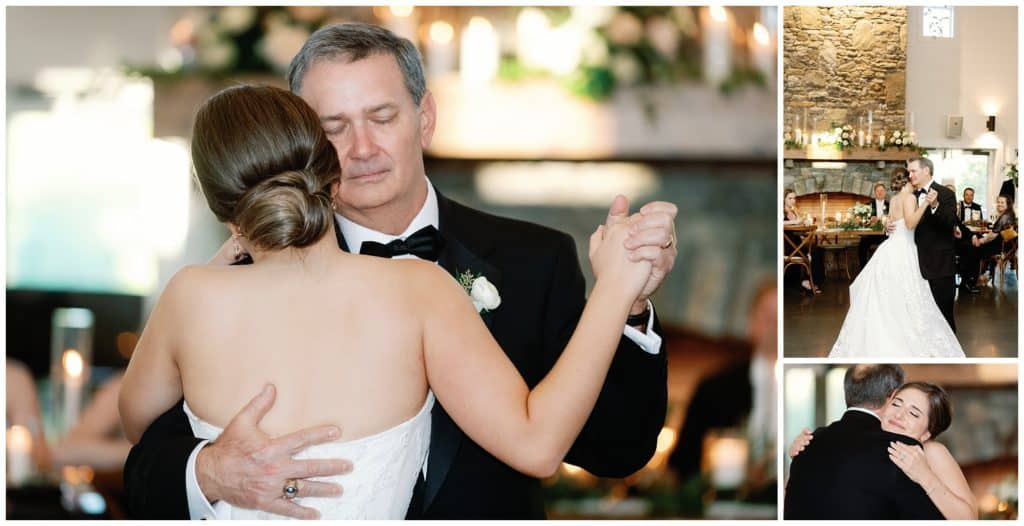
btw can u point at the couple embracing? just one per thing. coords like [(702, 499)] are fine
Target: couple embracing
[(880, 460), (388, 389), (901, 303)]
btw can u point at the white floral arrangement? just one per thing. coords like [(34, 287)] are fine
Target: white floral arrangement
[(901, 138), (843, 136), (861, 210)]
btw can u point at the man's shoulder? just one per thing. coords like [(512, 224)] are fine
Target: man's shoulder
[(504, 231)]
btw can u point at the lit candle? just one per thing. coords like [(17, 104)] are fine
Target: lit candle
[(479, 52), (869, 127), (403, 21), (798, 136), (440, 48), (761, 52), (532, 37), (860, 131), (839, 216), (881, 138), (717, 44), (728, 460), (19, 455), (73, 369)]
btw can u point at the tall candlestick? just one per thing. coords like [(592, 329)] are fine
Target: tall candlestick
[(479, 52), (73, 368), (761, 51), (440, 48), (798, 136), (869, 127), (728, 459), (881, 139), (717, 44), (19, 455)]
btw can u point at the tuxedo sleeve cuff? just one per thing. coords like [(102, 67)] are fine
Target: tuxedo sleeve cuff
[(649, 341), (198, 507)]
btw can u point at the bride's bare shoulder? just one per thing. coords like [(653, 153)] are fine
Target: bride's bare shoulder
[(937, 451)]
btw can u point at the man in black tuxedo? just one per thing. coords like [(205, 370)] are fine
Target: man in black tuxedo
[(967, 208), (934, 235), (845, 472), (367, 85), (879, 208)]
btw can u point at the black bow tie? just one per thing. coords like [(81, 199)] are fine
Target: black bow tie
[(919, 192), (425, 243)]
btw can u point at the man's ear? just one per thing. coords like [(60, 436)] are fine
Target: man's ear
[(428, 119)]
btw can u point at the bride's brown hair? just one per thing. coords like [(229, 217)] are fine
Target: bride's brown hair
[(940, 412), (265, 164), (899, 178)]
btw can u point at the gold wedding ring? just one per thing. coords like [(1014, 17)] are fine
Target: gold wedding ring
[(290, 489)]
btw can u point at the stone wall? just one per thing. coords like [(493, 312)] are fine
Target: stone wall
[(840, 62), (856, 177)]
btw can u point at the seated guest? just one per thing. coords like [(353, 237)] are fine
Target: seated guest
[(967, 256), (967, 209), (740, 397), (791, 217), (879, 208), (991, 243)]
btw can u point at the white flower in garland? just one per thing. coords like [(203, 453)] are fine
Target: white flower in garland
[(236, 19)]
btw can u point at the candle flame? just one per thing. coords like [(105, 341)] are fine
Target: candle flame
[(666, 439), (73, 364), (479, 24), (571, 470), (19, 438), (441, 32), (718, 13), (761, 35), (401, 11)]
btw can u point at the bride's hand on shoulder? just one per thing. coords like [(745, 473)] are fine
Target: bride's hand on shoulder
[(610, 259), (800, 442), (911, 460)]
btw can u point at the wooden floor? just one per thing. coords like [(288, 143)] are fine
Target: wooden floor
[(986, 322)]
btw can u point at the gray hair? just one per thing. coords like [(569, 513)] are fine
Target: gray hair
[(924, 162), (352, 41), (869, 386)]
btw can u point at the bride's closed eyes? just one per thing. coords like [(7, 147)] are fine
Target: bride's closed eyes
[(914, 411)]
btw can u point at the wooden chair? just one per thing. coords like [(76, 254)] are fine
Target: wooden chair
[(1006, 257), (799, 252)]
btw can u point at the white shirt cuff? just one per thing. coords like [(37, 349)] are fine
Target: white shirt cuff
[(649, 340), (198, 507)]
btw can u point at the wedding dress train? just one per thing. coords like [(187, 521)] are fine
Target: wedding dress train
[(386, 466), (892, 311)]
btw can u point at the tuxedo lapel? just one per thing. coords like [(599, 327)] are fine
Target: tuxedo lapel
[(464, 250), (337, 233)]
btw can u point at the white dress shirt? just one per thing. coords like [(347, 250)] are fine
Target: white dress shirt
[(879, 207), (862, 410), (355, 234)]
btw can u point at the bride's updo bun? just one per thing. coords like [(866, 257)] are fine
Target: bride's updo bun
[(265, 164), (899, 178)]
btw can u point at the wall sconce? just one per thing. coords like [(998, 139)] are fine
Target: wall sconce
[(990, 124)]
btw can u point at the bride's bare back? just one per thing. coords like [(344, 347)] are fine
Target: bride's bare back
[(317, 334)]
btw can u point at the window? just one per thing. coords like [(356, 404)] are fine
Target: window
[(938, 22), (965, 169)]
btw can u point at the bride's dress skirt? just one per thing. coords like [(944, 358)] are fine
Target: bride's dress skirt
[(892, 312)]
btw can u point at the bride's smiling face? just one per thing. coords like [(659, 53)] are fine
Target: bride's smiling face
[(907, 414)]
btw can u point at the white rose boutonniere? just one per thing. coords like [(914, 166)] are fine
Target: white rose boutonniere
[(483, 293)]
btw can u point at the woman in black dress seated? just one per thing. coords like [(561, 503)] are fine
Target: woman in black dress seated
[(793, 274)]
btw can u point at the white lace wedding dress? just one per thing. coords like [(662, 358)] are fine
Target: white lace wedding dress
[(386, 466), (892, 311)]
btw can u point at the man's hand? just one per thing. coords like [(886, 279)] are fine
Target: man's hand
[(890, 226), (227, 253), (956, 232), (652, 237), (931, 197), (248, 469)]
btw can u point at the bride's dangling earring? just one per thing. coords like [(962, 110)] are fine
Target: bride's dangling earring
[(238, 247)]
